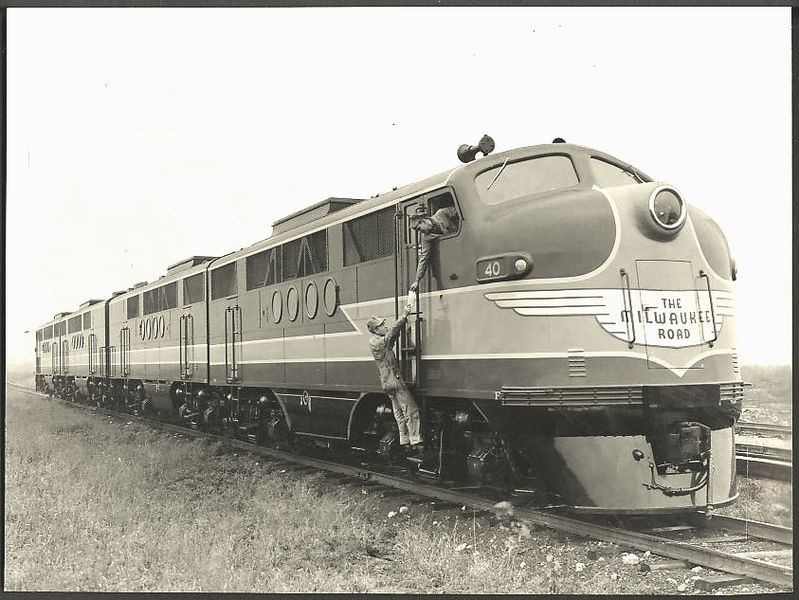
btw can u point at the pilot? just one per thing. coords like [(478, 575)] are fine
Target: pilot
[(406, 411), (443, 222)]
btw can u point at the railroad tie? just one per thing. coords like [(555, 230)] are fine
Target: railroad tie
[(709, 583), (665, 565), (669, 528), (720, 539)]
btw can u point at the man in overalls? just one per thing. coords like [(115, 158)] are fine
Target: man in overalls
[(406, 411)]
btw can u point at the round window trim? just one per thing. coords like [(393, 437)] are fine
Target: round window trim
[(311, 300), (292, 303), (330, 296), (277, 305), (683, 210)]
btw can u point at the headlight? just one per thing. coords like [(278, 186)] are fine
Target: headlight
[(667, 208)]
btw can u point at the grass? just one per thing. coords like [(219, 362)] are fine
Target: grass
[(768, 400)]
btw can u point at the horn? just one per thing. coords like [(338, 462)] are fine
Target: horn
[(467, 153)]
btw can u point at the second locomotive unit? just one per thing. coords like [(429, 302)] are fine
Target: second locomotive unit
[(576, 331)]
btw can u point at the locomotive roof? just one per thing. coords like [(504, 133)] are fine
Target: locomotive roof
[(184, 268), (334, 210), (343, 214), (315, 219)]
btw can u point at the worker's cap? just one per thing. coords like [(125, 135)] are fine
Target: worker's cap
[(373, 323)]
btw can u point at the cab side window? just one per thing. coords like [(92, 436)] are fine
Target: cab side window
[(440, 207)]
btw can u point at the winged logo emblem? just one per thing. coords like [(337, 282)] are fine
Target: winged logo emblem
[(666, 318)]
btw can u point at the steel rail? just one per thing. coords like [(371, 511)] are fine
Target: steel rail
[(759, 451), (758, 529), (763, 468), (763, 428), (676, 549)]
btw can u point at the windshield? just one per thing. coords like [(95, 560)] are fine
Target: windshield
[(512, 180)]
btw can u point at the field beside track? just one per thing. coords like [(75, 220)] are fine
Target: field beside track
[(100, 504)]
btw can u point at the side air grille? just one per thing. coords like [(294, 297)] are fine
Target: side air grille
[(572, 397), (731, 392)]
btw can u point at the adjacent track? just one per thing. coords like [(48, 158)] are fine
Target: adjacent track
[(760, 460), (695, 549), (765, 429)]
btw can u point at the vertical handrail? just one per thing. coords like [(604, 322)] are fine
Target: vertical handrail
[(227, 367), (625, 278), (417, 347), (398, 241), (397, 217), (189, 344), (712, 311), (124, 348), (234, 373), (91, 346), (181, 327)]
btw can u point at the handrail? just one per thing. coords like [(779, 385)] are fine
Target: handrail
[(235, 370), (397, 217), (712, 312), (189, 322), (629, 298), (91, 350), (231, 369), (181, 331), (227, 363)]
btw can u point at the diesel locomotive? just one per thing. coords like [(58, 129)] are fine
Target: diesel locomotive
[(575, 332)]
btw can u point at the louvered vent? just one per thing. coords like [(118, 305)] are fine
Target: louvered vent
[(576, 360)]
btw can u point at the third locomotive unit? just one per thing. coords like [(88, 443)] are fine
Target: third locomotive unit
[(576, 330)]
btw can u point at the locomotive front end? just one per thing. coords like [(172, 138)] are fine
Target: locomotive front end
[(606, 332)]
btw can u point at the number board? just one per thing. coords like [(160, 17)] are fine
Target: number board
[(490, 269)]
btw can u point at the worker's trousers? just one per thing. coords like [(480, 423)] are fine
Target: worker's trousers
[(406, 412)]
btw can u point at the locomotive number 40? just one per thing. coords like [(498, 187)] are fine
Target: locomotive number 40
[(493, 269), (504, 266)]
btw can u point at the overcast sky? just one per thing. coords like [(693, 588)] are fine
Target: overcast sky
[(140, 137)]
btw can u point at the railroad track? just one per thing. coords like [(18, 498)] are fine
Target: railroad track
[(767, 547), (760, 460), (764, 429)]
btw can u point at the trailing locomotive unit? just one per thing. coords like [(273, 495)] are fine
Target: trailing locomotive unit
[(69, 361), (577, 328)]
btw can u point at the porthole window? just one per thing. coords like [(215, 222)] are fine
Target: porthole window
[(162, 325), (330, 296), (141, 330), (277, 305), (148, 329), (311, 300), (292, 303)]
